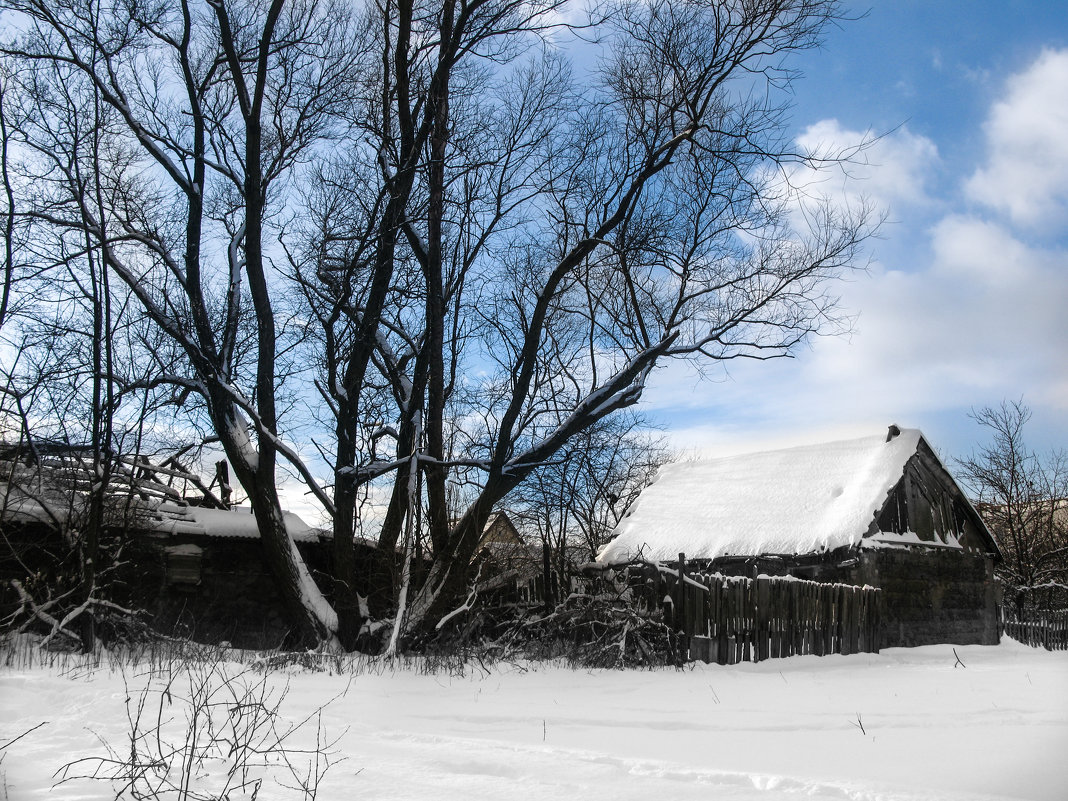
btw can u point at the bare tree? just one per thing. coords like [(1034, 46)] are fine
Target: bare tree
[(574, 502), (626, 221), (59, 389), (492, 248), (203, 112), (77, 392), (1023, 498)]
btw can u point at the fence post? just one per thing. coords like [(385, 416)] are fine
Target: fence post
[(547, 576), (680, 606), (762, 596)]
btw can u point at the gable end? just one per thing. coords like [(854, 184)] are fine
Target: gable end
[(927, 503)]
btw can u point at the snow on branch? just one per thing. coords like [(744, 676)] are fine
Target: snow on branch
[(281, 446), (465, 606), (621, 390)]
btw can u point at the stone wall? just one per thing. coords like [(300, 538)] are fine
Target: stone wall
[(932, 595)]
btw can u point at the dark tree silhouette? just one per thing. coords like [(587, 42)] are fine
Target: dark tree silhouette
[(1023, 498), (474, 251)]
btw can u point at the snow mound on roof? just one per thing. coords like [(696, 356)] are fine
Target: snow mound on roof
[(239, 523), (796, 500), (242, 523)]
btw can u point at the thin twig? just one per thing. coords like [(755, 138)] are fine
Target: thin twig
[(28, 731)]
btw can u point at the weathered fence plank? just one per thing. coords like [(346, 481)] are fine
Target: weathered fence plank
[(1047, 630), (765, 618), (742, 619)]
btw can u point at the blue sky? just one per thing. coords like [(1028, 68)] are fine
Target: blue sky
[(966, 300), (965, 303)]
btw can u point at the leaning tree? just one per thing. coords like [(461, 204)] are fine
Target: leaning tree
[(198, 113), (437, 241)]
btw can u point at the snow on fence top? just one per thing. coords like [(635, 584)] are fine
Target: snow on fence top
[(796, 500)]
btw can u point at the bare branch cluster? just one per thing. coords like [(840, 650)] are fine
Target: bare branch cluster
[(1023, 498), (411, 251), (202, 731)]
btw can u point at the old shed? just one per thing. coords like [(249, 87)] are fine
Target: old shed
[(169, 547), (879, 510), (211, 577)]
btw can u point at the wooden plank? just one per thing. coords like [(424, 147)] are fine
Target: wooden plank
[(725, 618), (747, 614), (862, 622), (778, 605), (858, 620), (827, 619), (794, 590), (834, 619), (680, 593), (775, 620), (878, 618), (761, 622), (753, 619), (843, 620), (847, 619)]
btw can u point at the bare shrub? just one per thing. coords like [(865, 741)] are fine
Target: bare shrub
[(603, 629), (202, 732)]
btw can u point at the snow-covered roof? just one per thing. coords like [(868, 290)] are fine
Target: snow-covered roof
[(796, 500), (17, 507), (55, 491), (240, 523), (167, 517)]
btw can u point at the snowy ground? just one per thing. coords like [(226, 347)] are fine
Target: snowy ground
[(788, 728)]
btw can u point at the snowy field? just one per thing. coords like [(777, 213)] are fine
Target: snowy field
[(788, 728)]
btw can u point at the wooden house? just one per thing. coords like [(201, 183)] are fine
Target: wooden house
[(174, 549), (504, 562), (214, 583), (500, 530), (880, 511)]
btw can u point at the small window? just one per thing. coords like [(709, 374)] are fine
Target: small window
[(183, 564)]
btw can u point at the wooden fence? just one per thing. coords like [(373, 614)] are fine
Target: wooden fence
[(735, 619), (1043, 630)]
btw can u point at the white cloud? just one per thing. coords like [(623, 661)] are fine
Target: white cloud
[(981, 322), (985, 315), (888, 171), (969, 314), (966, 309), (1026, 174)]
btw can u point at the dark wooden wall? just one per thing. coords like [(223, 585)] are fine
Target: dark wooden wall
[(233, 599), (930, 594), (933, 595)]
